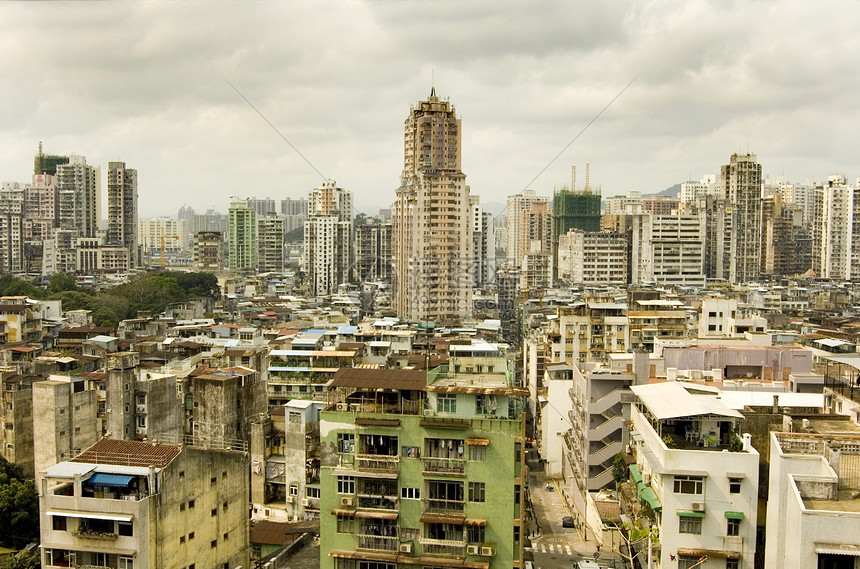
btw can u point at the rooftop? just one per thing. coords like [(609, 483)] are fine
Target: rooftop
[(129, 453)]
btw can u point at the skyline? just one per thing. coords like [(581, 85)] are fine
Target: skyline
[(148, 84)]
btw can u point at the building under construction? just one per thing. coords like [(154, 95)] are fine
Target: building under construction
[(574, 209)]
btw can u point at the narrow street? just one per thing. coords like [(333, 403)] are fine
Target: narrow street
[(552, 545)]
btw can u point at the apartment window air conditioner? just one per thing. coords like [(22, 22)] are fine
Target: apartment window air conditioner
[(428, 412), (291, 499), (406, 547), (342, 407), (347, 501), (487, 551), (306, 502), (698, 506), (473, 549)]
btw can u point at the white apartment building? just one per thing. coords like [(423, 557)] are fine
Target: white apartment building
[(698, 478), (162, 234), (691, 191), (813, 513), (592, 257), (720, 317), (668, 250), (328, 243), (590, 330), (833, 226)]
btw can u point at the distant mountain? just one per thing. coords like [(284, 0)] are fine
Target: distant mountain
[(671, 191)]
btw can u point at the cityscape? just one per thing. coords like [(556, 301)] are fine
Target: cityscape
[(256, 363)]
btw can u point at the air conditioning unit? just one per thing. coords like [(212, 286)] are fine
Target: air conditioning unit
[(306, 502), (406, 547), (473, 549), (698, 506), (347, 501), (428, 412), (487, 551), (342, 407), (291, 499)]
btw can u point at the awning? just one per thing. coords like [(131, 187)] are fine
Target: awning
[(735, 515), (690, 514), (347, 513), (650, 497), (113, 480), (91, 515), (369, 514), (720, 553), (478, 442), (837, 549), (634, 473), (442, 424), (443, 518), (472, 522)]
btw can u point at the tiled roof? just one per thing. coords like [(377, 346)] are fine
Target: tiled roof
[(129, 453), (380, 378)]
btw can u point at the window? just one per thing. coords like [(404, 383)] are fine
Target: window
[(446, 402), (475, 534), (59, 523), (225, 536), (181, 474), (213, 480), (126, 563), (311, 492), (732, 564), (689, 524), (733, 527), (688, 561), (407, 534), (214, 512), (190, 536), (182, 507), (345, 442), (213, 544), (410, 493), (182, 540), (224, 505), (294, 489), (476, 491), (141, 399), (345, 524), (734, 485), (688, 484), (141, 422), (126, 529), (477, 453), (345, 485), (190, 504)]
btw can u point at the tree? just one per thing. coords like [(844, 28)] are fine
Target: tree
[(19, 507), (196, 285), (619, 468), (60, 282), (27, 559)]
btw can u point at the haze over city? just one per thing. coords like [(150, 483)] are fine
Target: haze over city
[(146, 83)]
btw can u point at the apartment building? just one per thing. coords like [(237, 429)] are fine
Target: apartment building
[(424, 469), (16, 419), (592, 257), (652, 319), (591, 329), (328, 238), (132, 505), (668, 250), (813, 514), (285, 470), (695, 478)]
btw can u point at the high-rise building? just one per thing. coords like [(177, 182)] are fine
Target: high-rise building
[(518, 205), (242, 236), (483, 243), (328, 241), (668, 250), (271, 252), (295, 212), (11, 227), (122, 210), (373, 251), (432, 242), (592, 257), (78, 186), (833, 229), (209, 250), (574, 209), (740, 180)]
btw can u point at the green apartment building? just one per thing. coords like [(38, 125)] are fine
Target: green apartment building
[(424, 469)]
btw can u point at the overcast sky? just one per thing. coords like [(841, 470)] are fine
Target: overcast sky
[(145, 83)]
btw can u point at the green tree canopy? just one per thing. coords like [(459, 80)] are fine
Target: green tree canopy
[(19, 507)]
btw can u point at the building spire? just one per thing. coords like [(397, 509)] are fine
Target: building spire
[(433, 83)]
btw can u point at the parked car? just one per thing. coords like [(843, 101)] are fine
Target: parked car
[(567, 522)]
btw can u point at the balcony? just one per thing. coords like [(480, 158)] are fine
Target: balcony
[(449, 466), (377, 463), (443, 546), (99, 535), (442, 506), (378, 542)]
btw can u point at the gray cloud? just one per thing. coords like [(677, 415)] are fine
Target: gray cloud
[(142, 82)]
